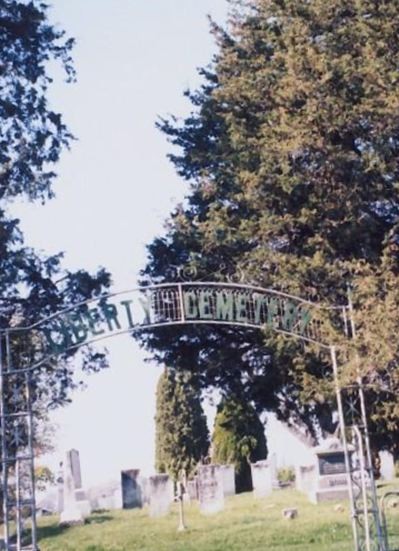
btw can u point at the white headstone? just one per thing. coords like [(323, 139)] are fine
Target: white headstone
[(144, 484), (106, 496), (305, 478), (387, 468), (262, 480), (272, 461), (85, 507), (210, 489), (71, 513), (160, 494), (228, 477)]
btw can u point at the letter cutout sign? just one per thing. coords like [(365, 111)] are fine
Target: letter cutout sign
[(176, 303)]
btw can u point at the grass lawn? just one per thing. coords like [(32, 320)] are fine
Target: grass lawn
[(246, 524)]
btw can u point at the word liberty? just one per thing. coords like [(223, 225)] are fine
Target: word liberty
[(173, 304)]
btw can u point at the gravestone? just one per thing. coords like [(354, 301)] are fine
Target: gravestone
[(192, 489), (387, 465), (144, 484), (262, 479), (228, 477), (272, 461), (290, 513), (71, 513), (60, 489), (106, 496), (74, 460), (160, 495), (47, 502), (132, 495), (305, 478), (210, 489), (331, 480), (82, 502)]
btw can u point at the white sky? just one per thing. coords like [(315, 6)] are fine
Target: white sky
[(115, 188)]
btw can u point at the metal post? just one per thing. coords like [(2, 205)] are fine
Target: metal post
[(383, 500), (4, 464), (348, 465), (18, 511), (8, 458), (181, 300), (362, 465), (15, 385), (364, 440), (32, 461)]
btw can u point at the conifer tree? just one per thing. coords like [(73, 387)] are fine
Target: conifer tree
[(182, 437), (291, 153), (238, 438)]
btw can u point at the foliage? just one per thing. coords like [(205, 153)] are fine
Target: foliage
[(44, 477), (32, 137), (291, 156), (238, 438), (182, 438), (286, 475)]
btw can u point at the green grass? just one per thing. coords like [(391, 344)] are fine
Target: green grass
[(246, 524)]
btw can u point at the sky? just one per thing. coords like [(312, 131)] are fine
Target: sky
[(115, 188)]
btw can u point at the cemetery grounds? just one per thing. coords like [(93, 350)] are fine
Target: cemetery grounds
[(246, 524)]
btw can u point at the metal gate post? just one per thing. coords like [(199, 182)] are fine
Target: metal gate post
[(16, 451), (4, 466), (348, 462), (373, 526), (31, 465)]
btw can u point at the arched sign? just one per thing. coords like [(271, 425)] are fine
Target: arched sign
[(149, 307), (176, 303)]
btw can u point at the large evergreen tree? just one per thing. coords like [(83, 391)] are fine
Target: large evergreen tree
[(238, 438), (291, 153), (182, 437)]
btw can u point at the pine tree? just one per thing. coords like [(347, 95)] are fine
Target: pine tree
[(238, 438), (182, 437), (291, 153)]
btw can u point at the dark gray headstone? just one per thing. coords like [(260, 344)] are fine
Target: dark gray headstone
[(131, 489), (332, 463)]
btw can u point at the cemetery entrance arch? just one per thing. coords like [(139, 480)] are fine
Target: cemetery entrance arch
[(157, 306)]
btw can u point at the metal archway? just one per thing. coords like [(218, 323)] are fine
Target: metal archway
[(157, 306)]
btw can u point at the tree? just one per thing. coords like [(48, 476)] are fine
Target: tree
[(291, 155), (238, 438), (32, 137), (182, 437)]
